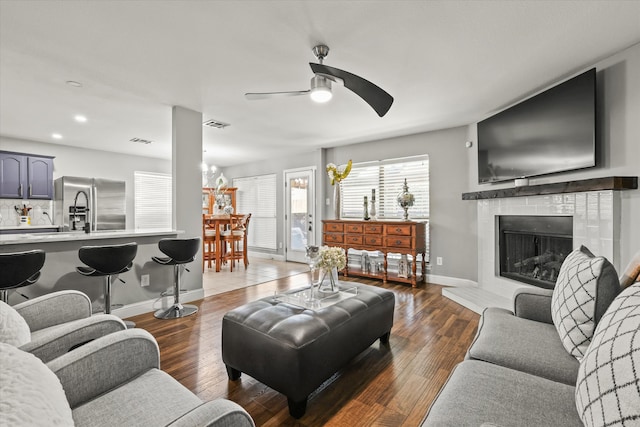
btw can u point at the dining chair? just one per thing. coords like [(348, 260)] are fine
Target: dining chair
[(235, 234), (208, 242)]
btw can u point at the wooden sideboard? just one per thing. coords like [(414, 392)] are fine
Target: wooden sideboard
[(401, 237)]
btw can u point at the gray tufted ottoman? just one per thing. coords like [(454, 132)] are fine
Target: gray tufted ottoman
[(293, 350)]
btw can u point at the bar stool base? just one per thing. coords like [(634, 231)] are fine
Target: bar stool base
[(176, 311)]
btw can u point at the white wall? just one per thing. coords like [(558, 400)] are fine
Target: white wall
[(618, 123), (75, 161)]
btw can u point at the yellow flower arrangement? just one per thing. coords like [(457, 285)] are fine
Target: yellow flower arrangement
[(338, 173)]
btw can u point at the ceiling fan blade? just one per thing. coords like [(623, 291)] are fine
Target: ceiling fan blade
[(373, 95), (266, 95)]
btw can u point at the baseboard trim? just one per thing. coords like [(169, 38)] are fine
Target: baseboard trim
[(450, 281), (266, 256), (152, 305)]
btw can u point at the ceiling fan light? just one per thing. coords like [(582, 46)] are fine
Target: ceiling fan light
[(320, 89)]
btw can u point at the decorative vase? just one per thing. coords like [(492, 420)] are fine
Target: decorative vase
[(372, 211), (24, 221), (405, 200), (336, 200), (365, 215), (329, 283)]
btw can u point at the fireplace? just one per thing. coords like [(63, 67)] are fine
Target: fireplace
[(531, 248)]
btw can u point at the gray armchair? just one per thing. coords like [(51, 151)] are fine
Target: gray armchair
[(51, 325), (116, 380)]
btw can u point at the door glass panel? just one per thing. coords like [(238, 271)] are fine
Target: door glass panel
[(299, 232)]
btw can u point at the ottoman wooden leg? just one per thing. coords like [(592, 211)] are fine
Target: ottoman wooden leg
[(233, 374), (297, 409)]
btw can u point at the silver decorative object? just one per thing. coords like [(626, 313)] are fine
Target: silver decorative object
[(406, 200)]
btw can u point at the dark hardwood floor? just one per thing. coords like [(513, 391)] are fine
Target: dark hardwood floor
[(384, 386)]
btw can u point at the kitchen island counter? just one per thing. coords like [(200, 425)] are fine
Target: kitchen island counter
[(61, 261), (19, 238)]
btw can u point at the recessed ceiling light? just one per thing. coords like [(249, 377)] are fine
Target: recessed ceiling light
[(56, 136), (74, 83), (80, 119)]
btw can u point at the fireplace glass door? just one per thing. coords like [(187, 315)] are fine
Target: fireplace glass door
[(532, 248)]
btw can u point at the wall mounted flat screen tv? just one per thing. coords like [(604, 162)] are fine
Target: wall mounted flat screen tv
[(554, 131)]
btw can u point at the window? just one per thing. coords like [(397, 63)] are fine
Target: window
[(387, 177), (257, 195), (152, 200)]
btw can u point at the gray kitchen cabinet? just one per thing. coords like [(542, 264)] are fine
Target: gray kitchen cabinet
[(25, 176)]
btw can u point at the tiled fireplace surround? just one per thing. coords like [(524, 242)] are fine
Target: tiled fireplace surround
[(596, 222)]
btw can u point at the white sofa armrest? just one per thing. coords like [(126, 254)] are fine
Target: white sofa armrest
[(105, 363), (49, 343), (219, 413), (54, 308)]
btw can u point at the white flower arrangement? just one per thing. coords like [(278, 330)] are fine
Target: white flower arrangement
[(331, 256)]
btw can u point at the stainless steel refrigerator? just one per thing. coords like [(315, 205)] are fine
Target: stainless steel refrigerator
[(89, 204)]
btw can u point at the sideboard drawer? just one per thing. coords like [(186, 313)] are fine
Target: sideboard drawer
[(353, 228), (399, 230), (373, 228), (333, 227), (399, 242), (373, 240), (333, 238), (354, 239)]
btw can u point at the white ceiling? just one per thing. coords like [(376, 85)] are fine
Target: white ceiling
[(447, 63)]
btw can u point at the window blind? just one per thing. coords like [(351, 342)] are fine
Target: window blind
[(152, 195), (387, 177), (257, 195)]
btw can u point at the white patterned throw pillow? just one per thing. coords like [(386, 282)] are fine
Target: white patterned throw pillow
[(608, 384), (14, 329), (585, 287)]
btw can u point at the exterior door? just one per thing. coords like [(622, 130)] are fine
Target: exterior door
[(300, 212)]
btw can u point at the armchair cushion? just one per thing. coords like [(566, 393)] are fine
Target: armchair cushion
[(585, 287), (608, 382), (15, 330), (31, 394)]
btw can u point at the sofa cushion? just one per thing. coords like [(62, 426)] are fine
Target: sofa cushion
[(631, 273), (31, 394), (524, 345), (14, 329), (585, 287), (479, 392), (608, 378), (152, 399)]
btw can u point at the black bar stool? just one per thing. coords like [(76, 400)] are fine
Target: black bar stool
[(107, 261), (179, 252), (19, 269)]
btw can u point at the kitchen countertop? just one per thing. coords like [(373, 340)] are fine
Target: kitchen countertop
[(26, 227), (22, 238)]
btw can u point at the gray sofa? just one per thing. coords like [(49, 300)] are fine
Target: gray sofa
[(517, 372), (114, 380)]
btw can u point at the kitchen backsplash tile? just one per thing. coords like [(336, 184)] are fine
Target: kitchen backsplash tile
[(9, 217)]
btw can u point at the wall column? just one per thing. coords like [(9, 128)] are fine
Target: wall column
[(187, 183)]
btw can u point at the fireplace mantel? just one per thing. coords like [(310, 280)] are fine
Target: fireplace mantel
[(594, 184)]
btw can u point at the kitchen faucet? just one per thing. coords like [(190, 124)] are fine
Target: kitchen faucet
[(87, 224)]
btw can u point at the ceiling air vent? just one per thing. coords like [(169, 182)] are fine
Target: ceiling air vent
[(141, 141), (215, 124)]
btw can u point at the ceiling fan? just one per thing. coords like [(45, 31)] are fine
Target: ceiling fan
[(320, 90)]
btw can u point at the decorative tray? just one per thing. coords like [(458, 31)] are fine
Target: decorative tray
[(301, 297)]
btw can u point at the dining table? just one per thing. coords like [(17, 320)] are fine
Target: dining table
[(218, 222)]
